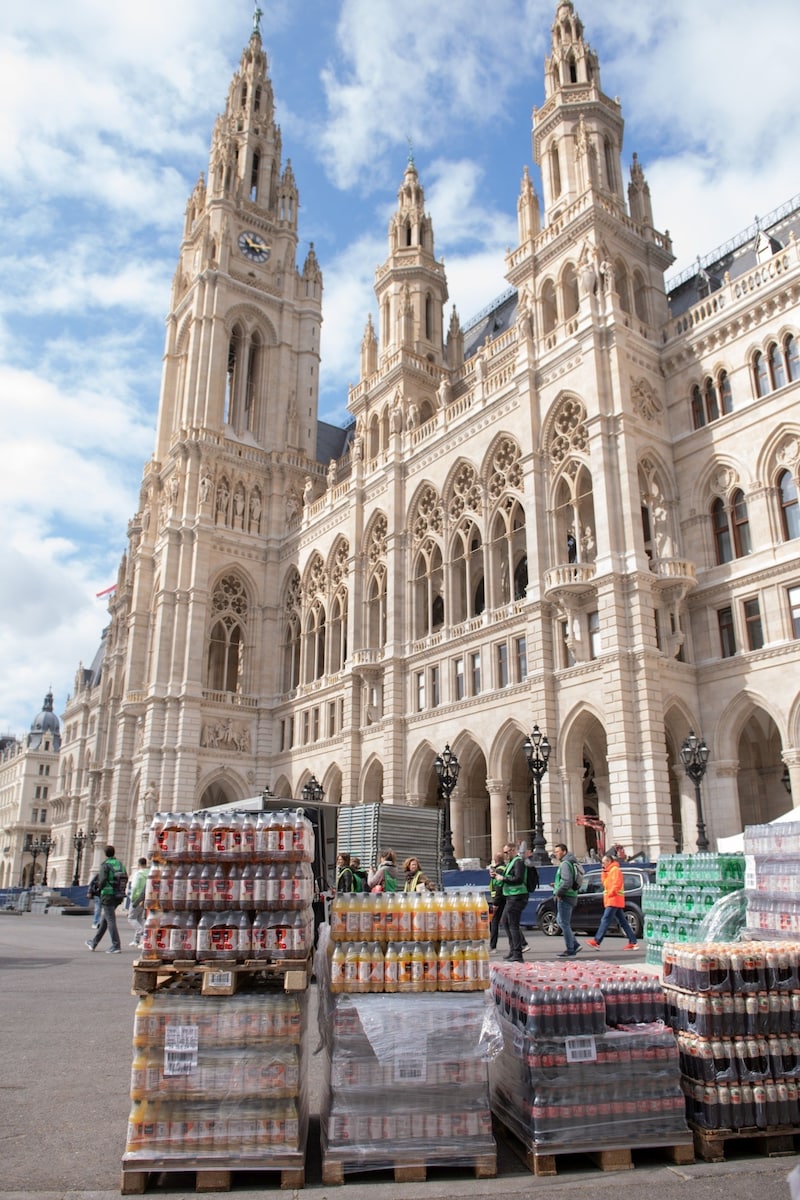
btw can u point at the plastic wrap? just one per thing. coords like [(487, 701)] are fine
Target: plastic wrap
[(407, 1078), (725, 920), (215, 1078), (618, 1089), (563, 999)]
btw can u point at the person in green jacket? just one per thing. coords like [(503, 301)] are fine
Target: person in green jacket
[(108, 919), (515, 891)]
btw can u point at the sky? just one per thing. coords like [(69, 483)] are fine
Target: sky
[(106, 112)]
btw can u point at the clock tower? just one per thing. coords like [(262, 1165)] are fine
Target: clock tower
[(236, 440)]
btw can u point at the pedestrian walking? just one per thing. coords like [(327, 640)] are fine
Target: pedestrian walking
[(515, 890), (112, 882), (136, 903), (565, 890), (613, 904)]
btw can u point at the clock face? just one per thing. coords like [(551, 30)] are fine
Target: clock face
[(253, 246)]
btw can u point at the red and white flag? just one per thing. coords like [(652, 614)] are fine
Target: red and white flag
[(107, 592)]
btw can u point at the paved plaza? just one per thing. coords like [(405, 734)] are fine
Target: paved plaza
[(67, 1018)]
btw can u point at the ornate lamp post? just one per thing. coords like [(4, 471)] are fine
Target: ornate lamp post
[(447, 768), (537, 752), (694, 756), (312, 791), (36, 846), (79, 841)]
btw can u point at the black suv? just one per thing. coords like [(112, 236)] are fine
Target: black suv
[(588, 912)]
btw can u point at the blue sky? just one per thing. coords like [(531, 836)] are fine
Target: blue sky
[(106, 113)]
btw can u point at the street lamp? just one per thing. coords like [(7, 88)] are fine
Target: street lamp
[(694, 756), (79, 840), (537, 752), (447, 767), (36, 846), (312, 791), (786, 779)]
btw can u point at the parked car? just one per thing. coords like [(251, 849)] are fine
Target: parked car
[(588, 912)]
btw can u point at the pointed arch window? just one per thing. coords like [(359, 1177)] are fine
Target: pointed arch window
[(509, 559), (468, 591), (790, 512), (226, 644), (725, 393), (608, 154), (315, 643), (569, 291), (710, 397), (776, 367), (549, 306), (571, 70), (723, 542), (761, 374), (429, 318), (254, 173), (698, 408), (428, 576), (792, 353), (555, 171), (741, 525), (338, 632), (376, 609), (253, 363), (622, 285), (640, 296), (291, 653), (232, 378)]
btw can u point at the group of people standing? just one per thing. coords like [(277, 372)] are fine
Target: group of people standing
[(385, 877), (512, 876)]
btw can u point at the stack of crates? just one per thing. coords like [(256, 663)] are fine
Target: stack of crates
[(685, 888)]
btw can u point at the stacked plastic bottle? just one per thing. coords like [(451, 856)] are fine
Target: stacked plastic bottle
[(735, 1008), (407, 1080), (773, 880), (232, 886), (218, 1079), (587, 1061), (409, 942), (685, 888)]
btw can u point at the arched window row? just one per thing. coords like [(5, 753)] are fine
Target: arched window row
[(559, 300), (713, 400), (778, 365), (315, 628)]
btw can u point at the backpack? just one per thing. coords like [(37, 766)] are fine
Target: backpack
[(531, 877), (389, 882), (119, 882), (579, 873), (358, 881), (93, 890)]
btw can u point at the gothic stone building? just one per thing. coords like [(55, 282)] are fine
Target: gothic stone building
[(580, 512)]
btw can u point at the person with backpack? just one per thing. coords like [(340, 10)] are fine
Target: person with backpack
[(515, 891), (136, 906), (569, 876), (613, 904), (113, 883), (384, 877)]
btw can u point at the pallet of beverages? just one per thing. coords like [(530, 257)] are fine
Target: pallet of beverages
[(217, 1085), (409, 942), (686, 887), (230, 888), (735, 1008), (407, 1084), (587, 1065), (773, 880)]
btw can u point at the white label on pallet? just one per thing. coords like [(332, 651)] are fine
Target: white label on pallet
[(180, 1049), (581, 1049), (222, 979)]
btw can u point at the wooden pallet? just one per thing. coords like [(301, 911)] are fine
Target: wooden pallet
[(544, 1161), (138, 1175), (336, 1165), (775, 1142), (222, 977)]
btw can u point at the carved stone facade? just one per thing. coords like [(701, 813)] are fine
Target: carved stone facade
[(580, 512)]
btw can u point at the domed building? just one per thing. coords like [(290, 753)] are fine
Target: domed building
[(576, 517), (28, 774)]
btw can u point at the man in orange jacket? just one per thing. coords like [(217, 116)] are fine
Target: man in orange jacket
[(613, 904)]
